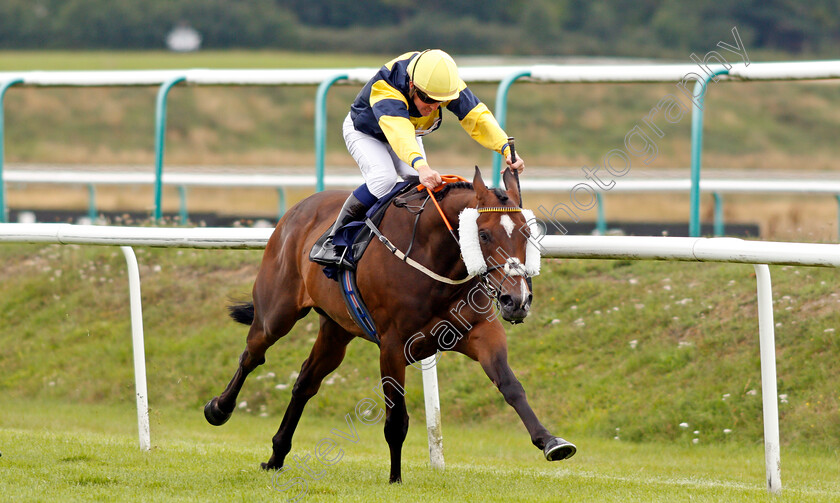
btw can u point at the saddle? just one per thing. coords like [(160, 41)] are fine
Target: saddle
[(356, 235)]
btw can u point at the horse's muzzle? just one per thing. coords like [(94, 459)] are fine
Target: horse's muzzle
[(515, 307)]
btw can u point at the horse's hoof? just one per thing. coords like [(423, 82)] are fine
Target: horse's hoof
[(558, 449), (214, 414), (269, 466)]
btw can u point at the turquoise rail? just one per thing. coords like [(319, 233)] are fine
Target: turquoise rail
[(160, 141), (696, 151), (501, 116), (321, 127), (4, 211), (757, 71), (719, 230), (719, 227)]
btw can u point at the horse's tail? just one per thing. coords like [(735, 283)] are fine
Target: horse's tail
[(243, 312)]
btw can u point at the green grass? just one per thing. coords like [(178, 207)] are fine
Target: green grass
[(612, 348), (60, 451), (605, 339)]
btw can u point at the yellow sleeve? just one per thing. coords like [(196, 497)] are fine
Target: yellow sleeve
[(482, 127), (400, 134), (391, 108)]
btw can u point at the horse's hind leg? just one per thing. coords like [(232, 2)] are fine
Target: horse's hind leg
[(218, 410), (326, 355)]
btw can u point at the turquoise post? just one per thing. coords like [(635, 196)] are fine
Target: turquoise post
[(182, 196), (92, 203), (160, 133), (601, 224), (501, 116), (321, 127), (4, 212), (281, 202), (719, 230), (696, 148)]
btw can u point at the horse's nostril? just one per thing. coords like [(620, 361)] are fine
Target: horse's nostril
[(506, 300)]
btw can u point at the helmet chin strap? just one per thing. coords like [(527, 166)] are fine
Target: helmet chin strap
[(413, 71)]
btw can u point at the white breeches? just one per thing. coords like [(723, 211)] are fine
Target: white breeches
[(381, 168)]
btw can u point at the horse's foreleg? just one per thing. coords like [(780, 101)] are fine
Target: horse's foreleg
[(496, 367), (392, 368), (326, 355)]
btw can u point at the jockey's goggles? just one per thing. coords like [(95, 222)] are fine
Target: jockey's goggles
[(425, 97)]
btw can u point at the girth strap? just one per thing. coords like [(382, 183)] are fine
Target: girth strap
[(410, 261), (356, 306)]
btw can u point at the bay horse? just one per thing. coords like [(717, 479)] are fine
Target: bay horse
[(408, 306)]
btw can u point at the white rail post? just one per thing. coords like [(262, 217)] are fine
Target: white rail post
[(767, 347), (433, 421), (139, 348)]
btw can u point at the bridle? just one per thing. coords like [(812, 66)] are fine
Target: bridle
[(473, 256), (471, 252)]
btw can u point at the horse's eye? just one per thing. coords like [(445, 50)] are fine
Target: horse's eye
[(483, 236)]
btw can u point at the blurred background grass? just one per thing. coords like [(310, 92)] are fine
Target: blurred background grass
[(755, 125)]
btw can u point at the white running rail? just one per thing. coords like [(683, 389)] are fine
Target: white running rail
[(802, 70), (534, 184)]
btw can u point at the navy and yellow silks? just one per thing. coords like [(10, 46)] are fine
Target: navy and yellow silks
[(384, 110)]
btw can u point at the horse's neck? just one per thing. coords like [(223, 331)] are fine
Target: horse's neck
[(432, 245), (454, 204), (443, 247)]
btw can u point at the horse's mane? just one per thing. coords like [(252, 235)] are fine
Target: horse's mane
[(501, 194), (451, 186)]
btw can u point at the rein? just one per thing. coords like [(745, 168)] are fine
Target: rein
[(410, 261), (446, 179), (404, 256), (509, 266), (414, 229)]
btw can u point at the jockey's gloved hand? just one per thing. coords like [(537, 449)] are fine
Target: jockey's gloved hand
[(429, 177)]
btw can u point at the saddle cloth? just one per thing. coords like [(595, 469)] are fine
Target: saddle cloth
[(356, 235)]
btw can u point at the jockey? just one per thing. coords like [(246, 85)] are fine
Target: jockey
[(383, 131)]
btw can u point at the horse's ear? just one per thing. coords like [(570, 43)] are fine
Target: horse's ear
[(511, 187), (478, 183)]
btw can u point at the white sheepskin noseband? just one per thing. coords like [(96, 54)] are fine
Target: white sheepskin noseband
[(532, 251), (471, 248)]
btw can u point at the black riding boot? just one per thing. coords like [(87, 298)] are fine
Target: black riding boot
[(324, 252)]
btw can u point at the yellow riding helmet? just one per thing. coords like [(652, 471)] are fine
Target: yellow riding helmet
[(434, 72)]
